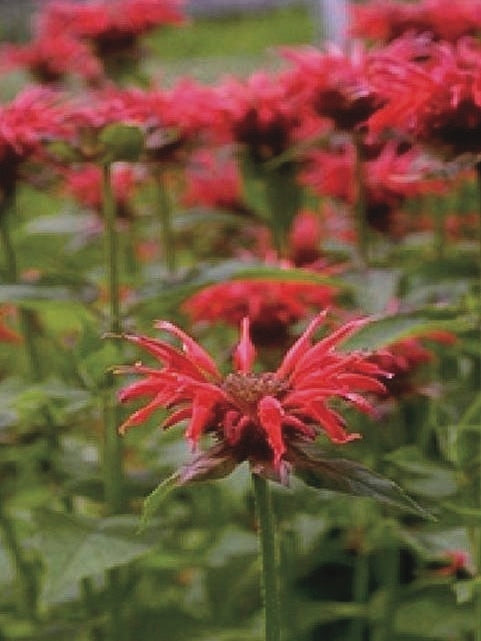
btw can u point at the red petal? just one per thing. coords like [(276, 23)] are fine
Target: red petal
[(176, 417), (245, 352), (300, 347), (143, 413), (332, 423), (270, 415), (201, 413), (326, 344), (166, 353), (194, 351)]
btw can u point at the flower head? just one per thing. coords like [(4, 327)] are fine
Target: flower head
[(385, 20), (436, 98), (50, 60), (254, 416), (334, 85), (272, 306)]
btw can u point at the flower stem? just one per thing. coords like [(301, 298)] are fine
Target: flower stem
[(270, 562), (27, 317), (113, 474), (25, 570), (165, 218), (360, 204), (112, 248), (112, 451)]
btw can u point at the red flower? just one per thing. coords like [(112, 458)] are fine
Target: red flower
[(260, 114), (25, 123), (390, 177), (85, 184), (385, 20), (404, 358), (436, 99), (109, 27), (51, 59), (333, 84), (213, 180), (255, 416), (271, 306)]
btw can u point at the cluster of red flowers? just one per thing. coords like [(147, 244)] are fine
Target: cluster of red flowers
[(330, 120)]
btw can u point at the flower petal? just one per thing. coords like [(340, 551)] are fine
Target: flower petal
[(300, 347), (245, 352), (270, 414), (193, 350)]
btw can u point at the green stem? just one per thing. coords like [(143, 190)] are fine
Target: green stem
[(27, 317), (360, 594), (112, 249), (25, 571), (112, 450), (165, 218), (270, 559), (360, 205), (8, 250)]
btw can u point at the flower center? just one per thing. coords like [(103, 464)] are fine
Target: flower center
[(250, 388)]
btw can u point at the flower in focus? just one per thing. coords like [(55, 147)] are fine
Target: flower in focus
[(271, 306), (258, 417)]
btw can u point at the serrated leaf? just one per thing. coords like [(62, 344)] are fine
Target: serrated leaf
[(76, 547), (349, 477)]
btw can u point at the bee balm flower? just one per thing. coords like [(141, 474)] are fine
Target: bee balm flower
[(258, 417)]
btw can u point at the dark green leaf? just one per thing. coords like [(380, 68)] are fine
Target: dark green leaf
[(348, 477), (389, 329)]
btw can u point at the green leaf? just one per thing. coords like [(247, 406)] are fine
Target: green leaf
[(348, 477), (389, 329), (76, 547)]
